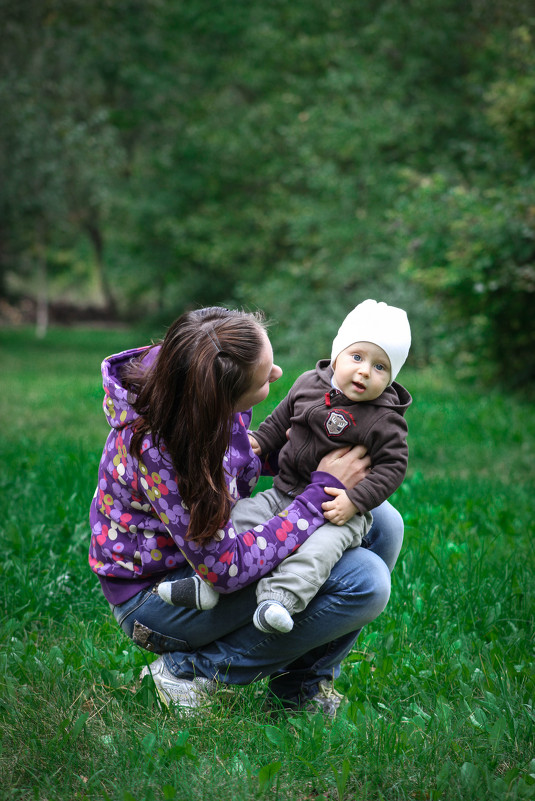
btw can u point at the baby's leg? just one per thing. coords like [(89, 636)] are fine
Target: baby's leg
[(290, 587)]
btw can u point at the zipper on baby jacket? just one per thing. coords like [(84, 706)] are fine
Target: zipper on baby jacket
[(326, 401)]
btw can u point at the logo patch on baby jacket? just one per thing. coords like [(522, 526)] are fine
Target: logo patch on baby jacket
[(337, 422)]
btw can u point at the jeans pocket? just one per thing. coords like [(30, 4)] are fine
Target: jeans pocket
[(155, 641)]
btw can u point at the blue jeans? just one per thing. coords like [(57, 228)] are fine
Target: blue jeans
[(223, 643)]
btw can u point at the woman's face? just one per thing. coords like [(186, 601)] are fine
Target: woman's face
[(263, 375)]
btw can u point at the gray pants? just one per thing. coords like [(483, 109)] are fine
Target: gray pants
[(299, 577)]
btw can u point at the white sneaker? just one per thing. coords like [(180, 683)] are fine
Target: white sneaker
[(326, 700), (186, 693)]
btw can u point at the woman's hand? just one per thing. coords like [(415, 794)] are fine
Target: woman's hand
[(348, 465), (255, 447)]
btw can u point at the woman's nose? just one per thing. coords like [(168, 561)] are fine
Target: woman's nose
[(276, 373)]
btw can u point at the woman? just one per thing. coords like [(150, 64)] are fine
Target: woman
[(174, 466)]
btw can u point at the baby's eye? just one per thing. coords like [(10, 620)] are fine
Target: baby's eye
[(380, 367), (356, 357)]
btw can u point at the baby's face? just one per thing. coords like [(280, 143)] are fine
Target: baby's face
[(362, 371)]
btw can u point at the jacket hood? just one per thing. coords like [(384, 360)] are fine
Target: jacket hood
[(117, 398), (395, 396)]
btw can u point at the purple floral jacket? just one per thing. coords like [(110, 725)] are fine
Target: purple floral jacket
[(139, 522)]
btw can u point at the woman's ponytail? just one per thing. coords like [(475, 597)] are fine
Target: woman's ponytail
[(187, 401)]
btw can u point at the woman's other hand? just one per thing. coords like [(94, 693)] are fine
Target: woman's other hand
[(348, 465), (254, 445)]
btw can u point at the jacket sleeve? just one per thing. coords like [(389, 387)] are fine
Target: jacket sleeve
[(233, 559), (271, 434), (389, 455)]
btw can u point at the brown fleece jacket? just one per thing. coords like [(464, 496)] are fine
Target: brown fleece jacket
[(321, 418)]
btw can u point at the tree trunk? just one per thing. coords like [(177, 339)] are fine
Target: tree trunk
[(97, 240), (42, 315)]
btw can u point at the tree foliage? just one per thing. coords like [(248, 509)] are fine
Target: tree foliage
[(161, 155)]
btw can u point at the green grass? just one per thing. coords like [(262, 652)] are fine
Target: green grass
[(440, 689)]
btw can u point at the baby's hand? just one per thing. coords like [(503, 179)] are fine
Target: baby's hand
[(254, 445), (340, 509)]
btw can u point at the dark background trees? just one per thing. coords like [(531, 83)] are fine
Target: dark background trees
[(291, 156)]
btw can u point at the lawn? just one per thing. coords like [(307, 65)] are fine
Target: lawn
[(440, 689)]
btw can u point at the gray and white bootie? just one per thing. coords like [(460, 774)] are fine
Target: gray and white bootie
[(272, 616), (193, 593)]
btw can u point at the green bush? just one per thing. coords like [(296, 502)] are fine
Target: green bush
[(474, 250)]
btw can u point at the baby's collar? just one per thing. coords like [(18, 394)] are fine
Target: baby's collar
[(334, 384)]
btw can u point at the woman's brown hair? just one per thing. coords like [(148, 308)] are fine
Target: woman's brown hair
[(187, 400)]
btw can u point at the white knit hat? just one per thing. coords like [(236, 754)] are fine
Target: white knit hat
[(383, 325)]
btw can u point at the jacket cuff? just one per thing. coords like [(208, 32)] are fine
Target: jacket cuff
[(325, 479)]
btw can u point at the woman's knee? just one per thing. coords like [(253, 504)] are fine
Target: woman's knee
[(380, 586), (386, 534), (364, 579)]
